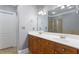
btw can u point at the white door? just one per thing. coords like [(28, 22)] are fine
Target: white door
[(7, 29)]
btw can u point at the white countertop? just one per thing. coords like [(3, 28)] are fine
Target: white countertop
[(69, 40)]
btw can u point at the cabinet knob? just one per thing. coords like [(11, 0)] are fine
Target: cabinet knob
[(63, 49)]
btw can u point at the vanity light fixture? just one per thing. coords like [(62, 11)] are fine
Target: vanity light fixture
[(62, 7), (42, 12), (69, 6)]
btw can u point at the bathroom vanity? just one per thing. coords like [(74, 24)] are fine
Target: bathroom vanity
[(53, 43)]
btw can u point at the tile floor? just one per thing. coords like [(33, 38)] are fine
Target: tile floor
[(8, 51), (24, 51)]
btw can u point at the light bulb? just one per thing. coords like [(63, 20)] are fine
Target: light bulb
[(62, 7)]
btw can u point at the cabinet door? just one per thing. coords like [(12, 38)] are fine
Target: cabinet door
[(78, 51), (30, 42), (48, 51), (43, 46), (33, 44), (49, 47)]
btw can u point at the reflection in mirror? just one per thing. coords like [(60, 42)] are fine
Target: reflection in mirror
[(54, 25), (62, 19)]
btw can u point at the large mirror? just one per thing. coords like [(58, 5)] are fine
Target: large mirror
[(61, 19)]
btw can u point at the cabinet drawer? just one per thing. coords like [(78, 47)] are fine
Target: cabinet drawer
[(65, 49), (59, 48), (48, 50), (37, 51), (70, 50), (57, 52)]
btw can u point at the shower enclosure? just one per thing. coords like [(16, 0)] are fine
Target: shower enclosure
[(8, 30), (54, 25)]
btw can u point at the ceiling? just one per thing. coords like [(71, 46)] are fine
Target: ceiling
[(59, 10), (12, 8), (45, 7)]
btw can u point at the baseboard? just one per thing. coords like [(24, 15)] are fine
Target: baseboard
[(24, 51), (7, 47)]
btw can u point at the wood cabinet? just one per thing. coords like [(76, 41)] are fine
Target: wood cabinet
[(39, 45), (63, 49), (70, 50), (34, 44), (59, 48), (78, 51)]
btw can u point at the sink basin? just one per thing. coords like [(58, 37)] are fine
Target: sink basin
[(51, 36), (60, 38), (71, 40), (63, 38)]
